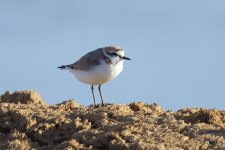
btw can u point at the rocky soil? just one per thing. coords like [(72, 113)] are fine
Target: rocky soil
[(28, 122)]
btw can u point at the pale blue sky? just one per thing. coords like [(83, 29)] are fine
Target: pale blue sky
[(177, 49)]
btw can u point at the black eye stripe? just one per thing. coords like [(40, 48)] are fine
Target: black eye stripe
[(112, 54), (109, 54)]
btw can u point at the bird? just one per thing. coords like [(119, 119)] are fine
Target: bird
[(98, 67)]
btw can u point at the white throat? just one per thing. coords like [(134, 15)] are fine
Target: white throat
[(101, 73), (114, 59)]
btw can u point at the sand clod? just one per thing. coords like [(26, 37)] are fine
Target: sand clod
[(27, 122)]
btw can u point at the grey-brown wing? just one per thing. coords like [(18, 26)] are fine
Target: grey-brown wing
[(88, 61)]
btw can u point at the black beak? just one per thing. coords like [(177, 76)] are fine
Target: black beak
[(126, 58)]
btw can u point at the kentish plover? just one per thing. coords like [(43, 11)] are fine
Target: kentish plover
[(98, 67)]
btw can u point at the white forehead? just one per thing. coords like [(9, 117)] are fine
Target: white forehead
[(119, 50), (121, 53), (113, 49)]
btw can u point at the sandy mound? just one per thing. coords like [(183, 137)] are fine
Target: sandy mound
[(27, 122)]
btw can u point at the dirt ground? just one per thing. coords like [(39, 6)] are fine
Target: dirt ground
[(28, 122)]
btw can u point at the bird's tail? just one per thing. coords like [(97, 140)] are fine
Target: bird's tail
[(62, 67)]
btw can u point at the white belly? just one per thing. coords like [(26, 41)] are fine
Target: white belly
[(100, 74)]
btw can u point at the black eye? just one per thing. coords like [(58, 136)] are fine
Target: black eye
[(115, 54), (112, 54)]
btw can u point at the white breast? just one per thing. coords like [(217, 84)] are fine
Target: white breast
[(100, 74)]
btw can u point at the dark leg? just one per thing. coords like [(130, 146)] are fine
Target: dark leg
[(99, 88), (92, 89)]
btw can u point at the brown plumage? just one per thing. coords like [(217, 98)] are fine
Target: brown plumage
[(89, 60), (93, 58), (90, 69)]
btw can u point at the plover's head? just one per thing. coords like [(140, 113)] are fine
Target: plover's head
[(114, 52)]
